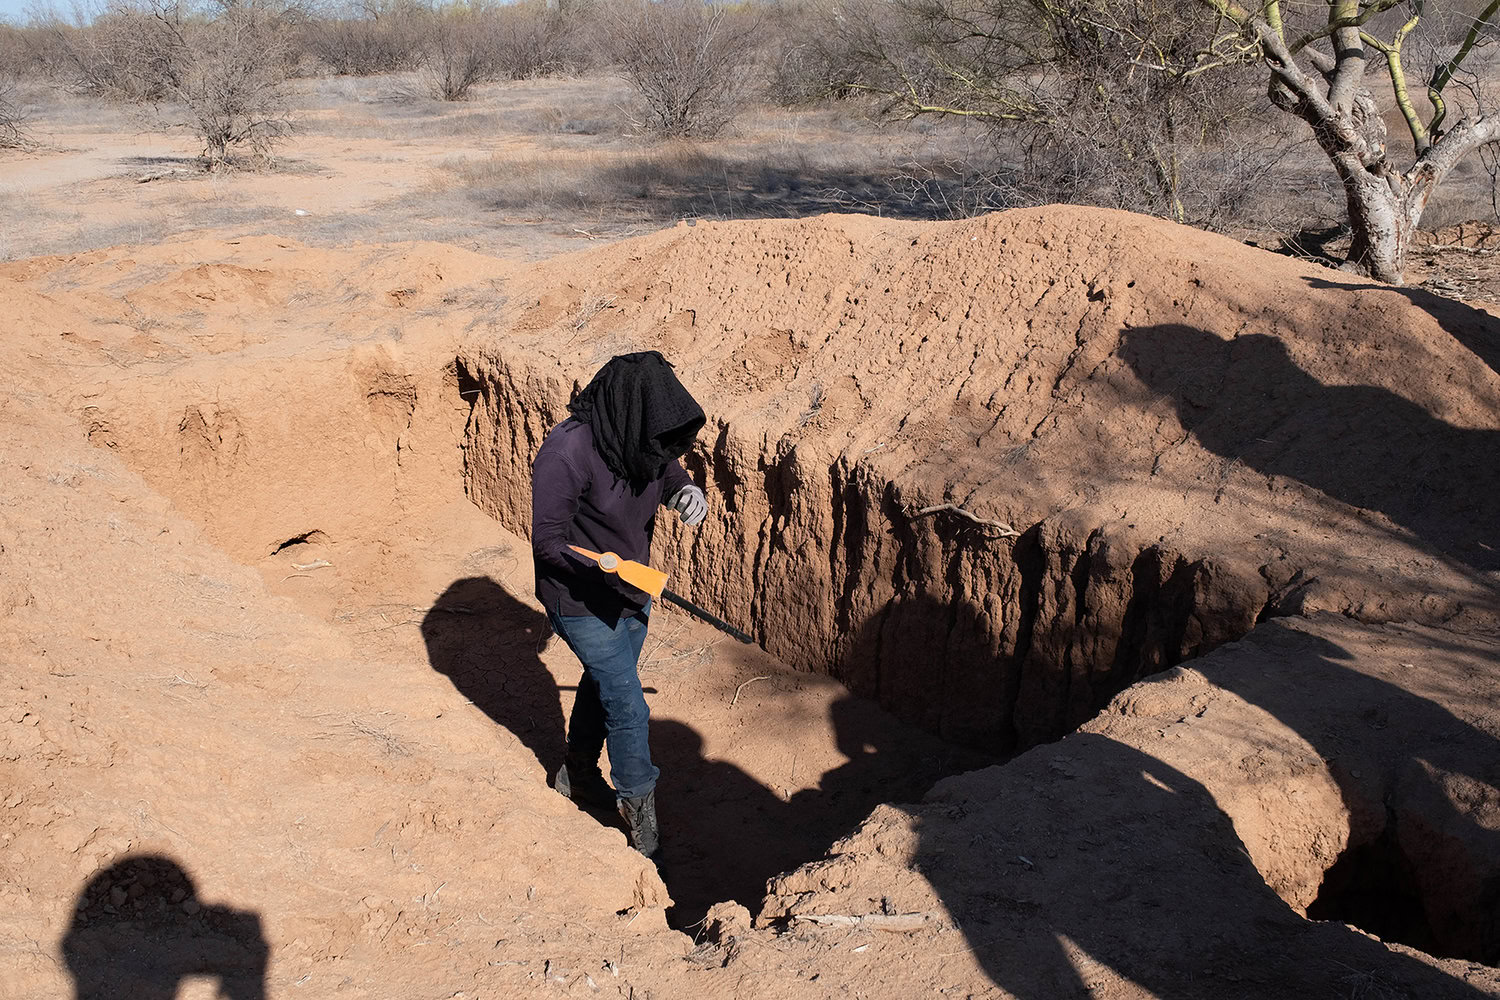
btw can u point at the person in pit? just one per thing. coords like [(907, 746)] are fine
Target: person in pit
[(596, 483)]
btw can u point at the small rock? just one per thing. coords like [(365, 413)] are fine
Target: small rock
[(179, 894), (117, 896), (191, 907)]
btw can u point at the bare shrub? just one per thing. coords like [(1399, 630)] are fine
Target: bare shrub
[(231, 82), (114, 57), (1103, 101), (459, 53), (13, 132), (372, 39), (532, 40), (688, 61), (220, 75), (14, 51), (807, 58), (37, 50)]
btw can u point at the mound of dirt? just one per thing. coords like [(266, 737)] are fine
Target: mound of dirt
[(284, 708), (1187, 436)]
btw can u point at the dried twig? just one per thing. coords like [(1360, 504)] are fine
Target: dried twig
[(762, 677), (1002, 529), (900, 922)]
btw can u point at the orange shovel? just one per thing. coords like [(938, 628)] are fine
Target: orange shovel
[(654, 582), (638, 575)]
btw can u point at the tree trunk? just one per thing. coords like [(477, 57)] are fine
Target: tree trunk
[(1380, 219), (1384, 213)]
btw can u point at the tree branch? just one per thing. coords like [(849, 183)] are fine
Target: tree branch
[(1339, 23), (1392, 52), (1444, 73), (1444, 152), (1348, 51)]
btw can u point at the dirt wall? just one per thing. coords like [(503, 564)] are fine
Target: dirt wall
[(1179, 447)]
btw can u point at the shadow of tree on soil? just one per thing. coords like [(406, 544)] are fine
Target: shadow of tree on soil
[(1247, 401), (1060, 889), (1474, 328)]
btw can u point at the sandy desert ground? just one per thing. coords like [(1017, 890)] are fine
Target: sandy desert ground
[(1127, 598)]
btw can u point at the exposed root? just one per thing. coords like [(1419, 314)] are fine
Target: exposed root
[(1001, 529)]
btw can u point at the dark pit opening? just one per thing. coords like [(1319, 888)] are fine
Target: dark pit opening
[(469, 387), (1373, 886), (1431, 906)]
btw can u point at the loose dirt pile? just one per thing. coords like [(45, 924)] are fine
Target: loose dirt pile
[(283, 699)]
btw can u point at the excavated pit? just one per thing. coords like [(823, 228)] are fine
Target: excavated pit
[(991, 473), (987, 475), (992, 486)]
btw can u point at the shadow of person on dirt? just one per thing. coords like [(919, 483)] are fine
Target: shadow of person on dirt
[(726, 833), (1247, 401), (488, 643), (139, 929), (1475, 329), (723, 832), (1086, 866)]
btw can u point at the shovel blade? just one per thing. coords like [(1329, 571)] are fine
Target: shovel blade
[(638, 575)]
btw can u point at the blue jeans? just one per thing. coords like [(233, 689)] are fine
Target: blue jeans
[(610, 707)]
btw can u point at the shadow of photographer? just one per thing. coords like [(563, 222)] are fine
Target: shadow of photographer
[(139, 929)]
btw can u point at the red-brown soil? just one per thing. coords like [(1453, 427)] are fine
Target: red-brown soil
[(347, 762)]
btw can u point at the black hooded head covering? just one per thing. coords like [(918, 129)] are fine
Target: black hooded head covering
[(641, 416)]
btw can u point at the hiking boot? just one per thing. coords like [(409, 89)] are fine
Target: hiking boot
[(640, 821), (584, 785)]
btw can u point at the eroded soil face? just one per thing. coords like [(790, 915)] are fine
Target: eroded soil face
[(275, 647)]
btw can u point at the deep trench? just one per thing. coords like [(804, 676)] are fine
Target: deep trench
[(1375, 887), (1003, 686), (1059, 659)]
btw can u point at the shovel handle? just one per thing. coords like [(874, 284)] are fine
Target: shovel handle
[(697, 612)]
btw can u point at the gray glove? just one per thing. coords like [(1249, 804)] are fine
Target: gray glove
[(690, 504)]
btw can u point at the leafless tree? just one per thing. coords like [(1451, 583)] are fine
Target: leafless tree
[(1318, 72), (225, 74), (370, 37), (533, 39), (460, 52), (114, 56), (1104, 99), (806, 61), (687, 60), (219, 73)]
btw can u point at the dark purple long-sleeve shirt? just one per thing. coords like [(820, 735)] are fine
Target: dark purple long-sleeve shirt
[(577, 500)]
